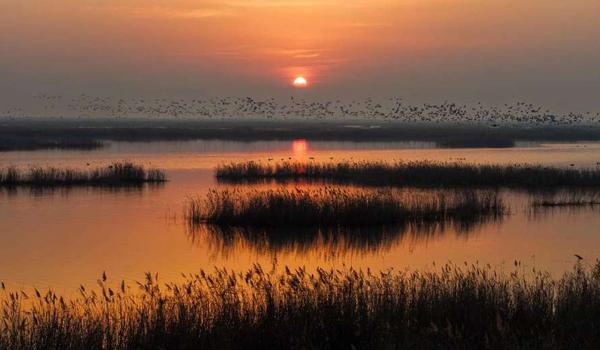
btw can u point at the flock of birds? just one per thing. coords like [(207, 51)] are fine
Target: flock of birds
[(395, 109)]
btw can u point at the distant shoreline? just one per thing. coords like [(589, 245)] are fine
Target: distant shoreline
[(90, 134)]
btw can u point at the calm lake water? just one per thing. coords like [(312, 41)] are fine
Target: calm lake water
[(63, 238)]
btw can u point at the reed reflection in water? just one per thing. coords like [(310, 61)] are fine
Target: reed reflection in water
[(65, 192), (330, 242)]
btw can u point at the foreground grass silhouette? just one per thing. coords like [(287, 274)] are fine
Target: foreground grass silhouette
[(417, 174), (329, 206), (116, 174), (455, 307)]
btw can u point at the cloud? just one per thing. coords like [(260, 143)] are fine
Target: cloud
[(201, 9), (366, 25), (288, 3), (197, 13), (163, 9)]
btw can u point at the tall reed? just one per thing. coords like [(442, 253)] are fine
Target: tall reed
[(116, 174), (330, 206), (417, 174), (471, 307)]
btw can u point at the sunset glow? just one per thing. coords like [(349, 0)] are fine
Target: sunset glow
[(259, 155), (434, 49)]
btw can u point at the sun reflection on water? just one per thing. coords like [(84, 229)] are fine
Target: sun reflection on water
[(300, 147)]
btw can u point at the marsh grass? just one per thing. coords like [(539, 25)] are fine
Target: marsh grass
[(454, 306), (116, 174), (331, 206), (414, 174)]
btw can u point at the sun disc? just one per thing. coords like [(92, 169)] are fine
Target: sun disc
[(300, 82)]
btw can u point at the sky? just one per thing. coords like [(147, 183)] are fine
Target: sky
[(496, 51)]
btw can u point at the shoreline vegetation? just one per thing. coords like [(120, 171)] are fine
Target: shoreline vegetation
[(423, 174), (116, 174), (83, 134), (453, 306), (335, 207)]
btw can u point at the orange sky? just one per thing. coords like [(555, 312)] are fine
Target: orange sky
[(542, 51)]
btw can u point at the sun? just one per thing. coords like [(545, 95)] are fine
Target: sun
[(300, 82)]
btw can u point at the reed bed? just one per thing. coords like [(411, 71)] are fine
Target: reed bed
[(414, 174), (116, 174), (330, 206), (454, 307)]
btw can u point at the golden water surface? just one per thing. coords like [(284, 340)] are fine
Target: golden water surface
[(62, 238)]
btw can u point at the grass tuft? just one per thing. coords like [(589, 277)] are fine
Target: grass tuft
[(572, 199)]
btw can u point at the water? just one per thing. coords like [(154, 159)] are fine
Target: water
[(63, 238)]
